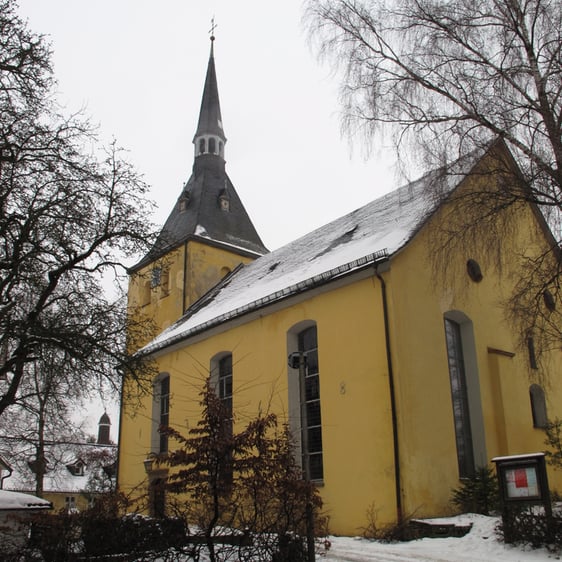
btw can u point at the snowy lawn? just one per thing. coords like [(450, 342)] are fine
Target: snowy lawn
[(481, 544)]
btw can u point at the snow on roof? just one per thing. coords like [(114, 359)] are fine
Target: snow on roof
[(18, 500), (62, 458), (367, 235)]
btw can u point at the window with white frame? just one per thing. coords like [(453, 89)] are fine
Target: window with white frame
[(70, 503), (303, 339), (160, 412)]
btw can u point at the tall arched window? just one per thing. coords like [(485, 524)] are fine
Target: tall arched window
[(465, 393), (221, 381), (146, 293), (538, 406), (160, 412), (201, 146), (225, 381), (303, 340), (157, 498), (212, 145)]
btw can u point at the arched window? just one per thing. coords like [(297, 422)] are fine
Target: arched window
[(157, 498), (538, 406), (225, 381), (221, 148), (146, 293), (221, 380), (165, 283), (465, 393), (304, 397), (212, 146), (160, 412), (201, 146)]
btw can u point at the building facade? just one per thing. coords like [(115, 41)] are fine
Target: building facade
[(414, 376)]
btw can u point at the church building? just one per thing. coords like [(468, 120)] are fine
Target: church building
[(414, 377)]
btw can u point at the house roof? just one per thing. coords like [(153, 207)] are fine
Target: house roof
[(18, 501), (357, 240), (60, 458)]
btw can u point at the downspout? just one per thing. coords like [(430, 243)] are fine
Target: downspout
[(397, 477), (120, 430), (9, 469)]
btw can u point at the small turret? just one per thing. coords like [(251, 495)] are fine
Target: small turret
[(103, 430)]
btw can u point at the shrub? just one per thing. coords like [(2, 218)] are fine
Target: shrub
[(530, 526), (478, 493)]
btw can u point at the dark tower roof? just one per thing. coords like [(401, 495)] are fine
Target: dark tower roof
[(210, 119), (208, 208)]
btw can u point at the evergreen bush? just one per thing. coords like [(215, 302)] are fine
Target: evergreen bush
[(478, 493)]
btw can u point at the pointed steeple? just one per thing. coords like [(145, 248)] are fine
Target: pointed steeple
[(209, 137), (208, 208)]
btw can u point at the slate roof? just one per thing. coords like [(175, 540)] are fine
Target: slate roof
[(360, 239), (204, 220), (210, 119)]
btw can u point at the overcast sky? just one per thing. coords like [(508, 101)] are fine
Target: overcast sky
[(138, 67)]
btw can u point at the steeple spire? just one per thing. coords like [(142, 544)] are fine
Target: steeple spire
[(209, 137), (208, 209)]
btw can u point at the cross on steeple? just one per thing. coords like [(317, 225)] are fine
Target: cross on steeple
[(213, 27)]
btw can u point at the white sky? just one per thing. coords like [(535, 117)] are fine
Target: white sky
[(138, 68)]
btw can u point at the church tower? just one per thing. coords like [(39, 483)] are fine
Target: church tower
[(208, 232)]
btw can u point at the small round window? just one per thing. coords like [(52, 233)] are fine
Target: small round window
[(474, 271)]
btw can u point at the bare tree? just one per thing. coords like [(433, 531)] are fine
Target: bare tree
[(447, 78), (50, 395), (71, 212)]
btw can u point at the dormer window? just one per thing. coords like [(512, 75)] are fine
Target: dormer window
[(183, 201), (76, 468), (224, 202)]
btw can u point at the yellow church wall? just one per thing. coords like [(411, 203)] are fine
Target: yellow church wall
[(356, 422), (206, 266), (417, 303), (202, 265), (356, 412)]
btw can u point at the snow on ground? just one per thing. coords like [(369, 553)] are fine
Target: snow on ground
[(481, 544)]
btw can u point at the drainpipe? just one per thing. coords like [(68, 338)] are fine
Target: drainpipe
[(397, 478), (9, 469)]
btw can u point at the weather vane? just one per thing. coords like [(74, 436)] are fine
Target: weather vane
[(213, 27)]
